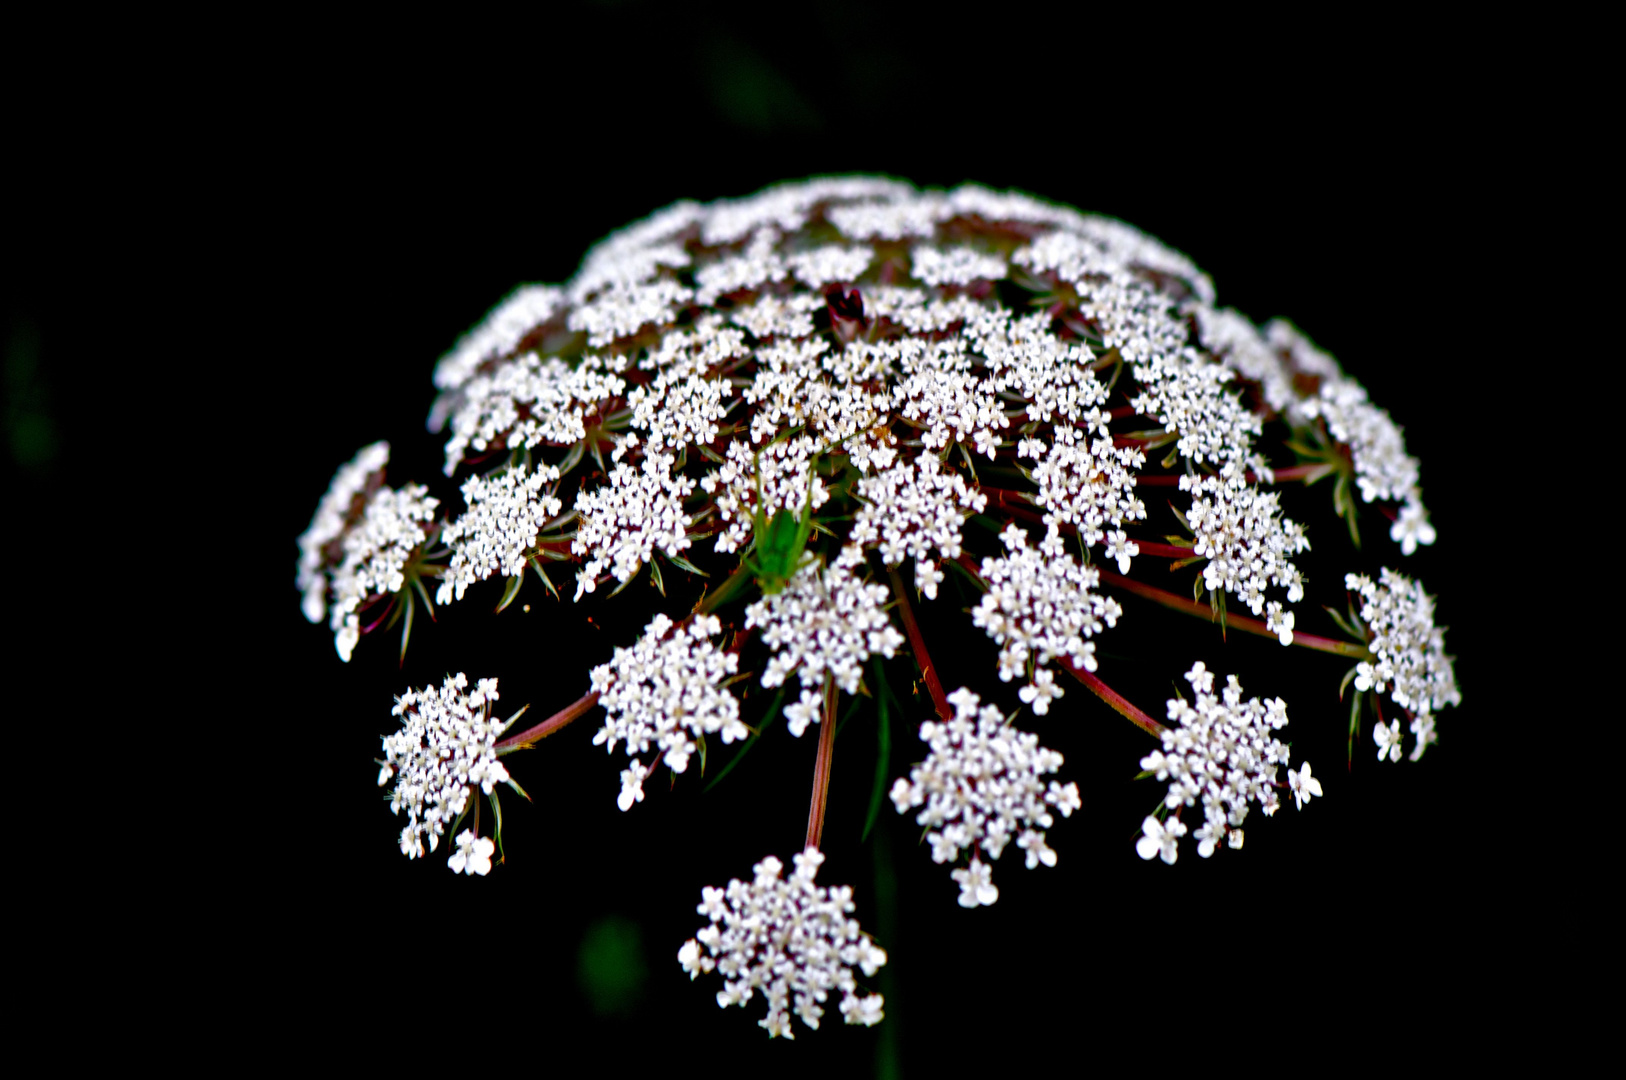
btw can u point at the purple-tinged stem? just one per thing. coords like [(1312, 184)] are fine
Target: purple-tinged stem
[(934, 686), (821, 766), (550, 725), (1244, 623), (1119, 703)]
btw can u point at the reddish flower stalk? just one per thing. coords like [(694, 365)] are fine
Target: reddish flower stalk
[(1119, 703), (821, 766), (1292, 472), (934, 686), (1240, 622), (550, 725)]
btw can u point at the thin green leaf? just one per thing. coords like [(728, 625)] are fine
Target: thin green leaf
[(406, 631), (543, 574), (655, 576), (883, 753), (1345, 625), (522, 793), (1171, 457), (684, 564), (767, 722), (496, 810), (1349, 677), (573, 458), (510, 591)]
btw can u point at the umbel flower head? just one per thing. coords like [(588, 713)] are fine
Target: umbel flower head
[(771, 410), (793, 941)]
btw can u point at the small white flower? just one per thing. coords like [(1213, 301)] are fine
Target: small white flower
[(473, 855), (976, 885), (1303, 784), (806, 711), (1388, 740), (1159, 839)]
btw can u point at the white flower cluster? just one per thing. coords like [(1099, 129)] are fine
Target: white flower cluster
[(667, 690), (527, 402), (1088, 487), (505, 513), (825, 620), (1377, 449), (446, 747), (981, 786), (954, 266), (376, 550), (1223, 751), (784, 474), (622, 523), (915, 508), (339, 509), (1247, 541), (1411, 661), (793, 941), (1040, 605)]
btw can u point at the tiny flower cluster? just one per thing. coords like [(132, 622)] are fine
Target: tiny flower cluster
[(1411, 661), (1088, 487), (1223, 751), (376, 552), (669, 689), (825, 620), (983, 785), (790, 939), (1040, 606), (446, 747), (338, 511), (916, 508), (505, 513)]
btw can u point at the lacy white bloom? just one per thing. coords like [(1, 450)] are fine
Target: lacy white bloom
[(505, 513), (790, 939), (915, 508), (1247, 541), (446, 747), (1220, 751), (824, 620), (1411, 662), (667, 691), (982, 786), (338, 511), (376, 551), (527, 402), (954, 266), (1088, 487), (1040, 606), (622, 523)]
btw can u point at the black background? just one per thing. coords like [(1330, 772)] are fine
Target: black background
[(255, 249)]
